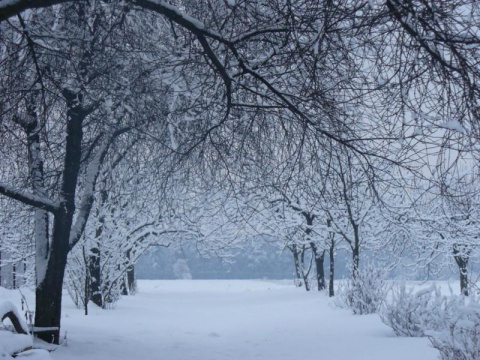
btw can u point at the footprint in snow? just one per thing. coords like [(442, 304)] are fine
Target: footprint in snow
[(213, 335)]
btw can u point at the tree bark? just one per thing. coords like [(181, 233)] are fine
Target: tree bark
[(331, 289), (48, 299), (14, 276), (32, 127), (355, 262), (49, 291), (304, 273), (95, 271), (461, 255), (130, 274), (355, 252), (464, 279), (319, 266), (95, 277), (296, 263), (131, 279)]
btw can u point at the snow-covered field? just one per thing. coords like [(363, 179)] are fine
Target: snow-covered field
[(227, 320)]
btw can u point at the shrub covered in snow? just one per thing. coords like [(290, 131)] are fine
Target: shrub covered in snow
[(460, 338), (365, 293), (451, 322), (182, 270), (411, 313)]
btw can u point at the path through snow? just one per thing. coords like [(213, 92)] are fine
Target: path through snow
[(231, 320)]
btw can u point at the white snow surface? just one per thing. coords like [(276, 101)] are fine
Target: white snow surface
[(11, 343), (227, 320)]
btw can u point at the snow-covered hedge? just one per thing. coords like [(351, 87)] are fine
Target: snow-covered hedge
[(452, 323), (366, 293), (460, 338), (411, 313)]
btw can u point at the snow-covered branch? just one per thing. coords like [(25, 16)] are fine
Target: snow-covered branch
[(39, 202), (10, 8), (86, 204)]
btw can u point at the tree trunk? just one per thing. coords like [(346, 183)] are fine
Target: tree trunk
[(128, 281), (131, 279), (464, 279), (95, 270), (461, 255), (14, 276), (319, 262), (32, 128), (319, 265), (355, 262), (124, 286), (331, 290), (296, 263), (86, 295), (87, 281), (303, 272), (355, 252), (95, 277), (48, 299), (49, 289)]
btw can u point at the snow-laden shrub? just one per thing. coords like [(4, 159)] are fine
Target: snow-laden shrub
[(452, 323), (460, 338), (181, 270), (411, 313), (365, 293)]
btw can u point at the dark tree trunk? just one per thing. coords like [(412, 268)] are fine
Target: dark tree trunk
[(464, 279), (331, 289), (319, 267), (48, 299), (87, 284), (131, 279), (49, 290), (86, 295), (355, 252), (95, 271), (124, 286), (296, 263), (355, 262), (130, 275), (14, 276), (95, 277), (461, 255)]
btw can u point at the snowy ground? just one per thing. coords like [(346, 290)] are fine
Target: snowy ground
[(228, 320)]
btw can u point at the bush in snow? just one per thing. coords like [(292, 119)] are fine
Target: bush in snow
[(365, 293), (181, 270), (451, 322), (460, 338), (411, 313)]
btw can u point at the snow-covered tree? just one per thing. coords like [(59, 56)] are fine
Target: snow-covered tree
[(378, 82), (77, 109)]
